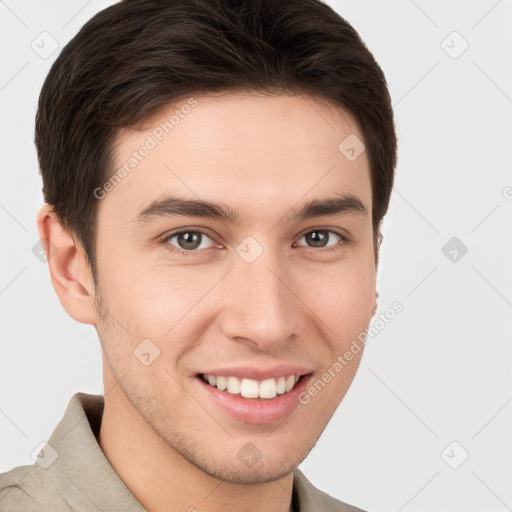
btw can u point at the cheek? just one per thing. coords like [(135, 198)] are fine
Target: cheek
[(343, 299), (350, 299), (169, 307)]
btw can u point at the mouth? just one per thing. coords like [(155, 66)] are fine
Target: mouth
[(255, 395), (265, 389)]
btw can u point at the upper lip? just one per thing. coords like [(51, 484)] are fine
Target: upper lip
[(255, 373)]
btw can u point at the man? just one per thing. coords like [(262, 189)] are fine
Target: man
[(215, 174)]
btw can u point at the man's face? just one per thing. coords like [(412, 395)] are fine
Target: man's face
[(269, 291)]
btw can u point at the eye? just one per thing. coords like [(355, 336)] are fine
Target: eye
[(188, 240), (322, 238)]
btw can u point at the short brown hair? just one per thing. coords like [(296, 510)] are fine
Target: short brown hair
[(136, 57)]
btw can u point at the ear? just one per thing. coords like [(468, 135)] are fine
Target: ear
[(375, 304), (69, 269)]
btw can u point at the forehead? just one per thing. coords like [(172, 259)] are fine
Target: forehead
[(247, 149)]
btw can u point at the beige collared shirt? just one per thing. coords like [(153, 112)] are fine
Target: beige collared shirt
[(72, 473)]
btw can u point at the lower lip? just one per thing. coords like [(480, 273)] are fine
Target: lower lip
[(254, 410)]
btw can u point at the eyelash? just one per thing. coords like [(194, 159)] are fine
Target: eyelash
[(344, 239)]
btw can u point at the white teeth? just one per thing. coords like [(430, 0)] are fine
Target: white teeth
[(268, 388), (233, 386), (281, 385), (249, 388), (290, 382), (222, 383)]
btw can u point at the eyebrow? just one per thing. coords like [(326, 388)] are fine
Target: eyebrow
[(177, 206)]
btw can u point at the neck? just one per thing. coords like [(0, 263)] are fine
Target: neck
[(160, 478)]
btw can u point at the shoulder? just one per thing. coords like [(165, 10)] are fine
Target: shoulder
[(23, 489), (313, 499)]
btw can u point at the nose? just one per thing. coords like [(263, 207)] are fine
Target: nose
[(260, 305)]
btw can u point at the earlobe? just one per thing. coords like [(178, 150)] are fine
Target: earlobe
[(69, 270)]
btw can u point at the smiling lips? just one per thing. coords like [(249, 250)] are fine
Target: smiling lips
[(250, 388), (254, 394)]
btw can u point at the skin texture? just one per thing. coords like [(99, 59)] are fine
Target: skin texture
[(297, 303)]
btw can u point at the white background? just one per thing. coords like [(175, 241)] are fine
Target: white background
[(438, 373)]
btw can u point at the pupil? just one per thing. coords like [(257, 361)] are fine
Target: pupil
[(189, 240), (317, 238)]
